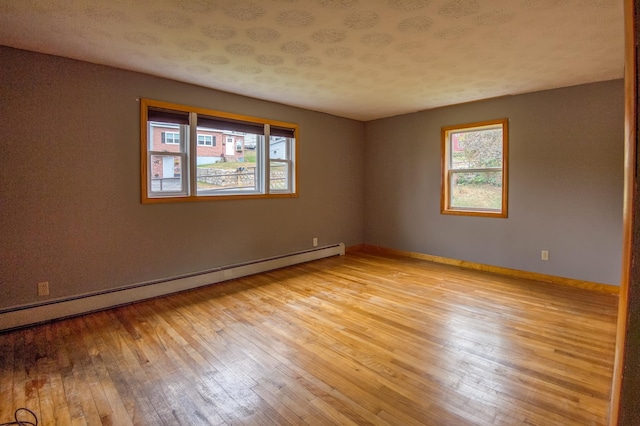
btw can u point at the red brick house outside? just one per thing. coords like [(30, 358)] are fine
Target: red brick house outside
[(213, 146)]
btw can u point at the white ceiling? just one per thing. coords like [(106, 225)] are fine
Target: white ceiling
[(361, 59)]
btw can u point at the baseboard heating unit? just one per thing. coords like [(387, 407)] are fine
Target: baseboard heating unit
[(20, 316)]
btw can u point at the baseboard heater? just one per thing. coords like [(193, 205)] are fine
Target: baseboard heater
[(20, 316)]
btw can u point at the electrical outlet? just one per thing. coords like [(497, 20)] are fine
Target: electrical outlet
[(315, 242), (43, 288), (544, 255)]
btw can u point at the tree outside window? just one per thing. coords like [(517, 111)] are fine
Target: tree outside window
[(474, 160)]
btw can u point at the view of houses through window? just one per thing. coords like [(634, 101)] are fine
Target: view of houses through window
[(230, 157)]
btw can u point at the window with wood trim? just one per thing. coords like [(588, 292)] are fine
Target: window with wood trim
[(181, 160), (474, 169)]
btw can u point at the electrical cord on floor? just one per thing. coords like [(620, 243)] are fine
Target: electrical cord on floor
[(22, 422)]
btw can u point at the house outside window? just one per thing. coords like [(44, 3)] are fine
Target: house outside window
[(194, 167)]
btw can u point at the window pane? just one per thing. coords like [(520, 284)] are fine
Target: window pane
[(166, 173), (197, 154), (220, 179), (228, 166), (478, 190), (279, 148), (476, 149), (279, 176), (167, 137)]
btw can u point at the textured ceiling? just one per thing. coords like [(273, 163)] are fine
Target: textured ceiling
[(362, 59)]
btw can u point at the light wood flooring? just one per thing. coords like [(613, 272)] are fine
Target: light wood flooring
[(355, 340)]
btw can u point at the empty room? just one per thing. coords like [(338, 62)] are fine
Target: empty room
[(393, 212)]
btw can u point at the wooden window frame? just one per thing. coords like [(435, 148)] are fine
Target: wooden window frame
[(447, 171), (189, 156)]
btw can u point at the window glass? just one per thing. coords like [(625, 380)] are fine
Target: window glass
[(195, 154), (477, 190), (166, 174), (474, 169), (281, 150), (167, 137), (227, 168)]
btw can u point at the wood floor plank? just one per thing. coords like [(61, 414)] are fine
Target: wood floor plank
[(108, 402), (41, 383), (356, 339), (56, 363), (7, 343), (16, 396), (134, 388)]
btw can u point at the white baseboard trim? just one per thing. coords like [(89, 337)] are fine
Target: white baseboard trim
[(21, 316)]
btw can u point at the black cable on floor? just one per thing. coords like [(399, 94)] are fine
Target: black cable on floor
[(22, 422)]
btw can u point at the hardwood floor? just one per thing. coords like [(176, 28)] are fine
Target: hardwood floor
[(358, 339)]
